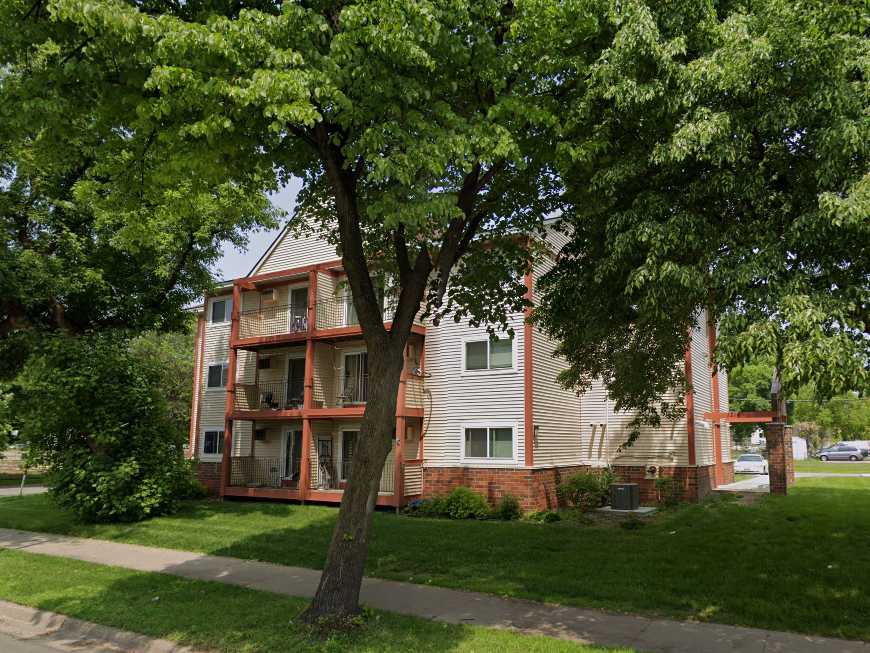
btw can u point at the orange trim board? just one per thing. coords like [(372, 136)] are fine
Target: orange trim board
[(714, 399), (690, 406), (748, 417), (528, 379)]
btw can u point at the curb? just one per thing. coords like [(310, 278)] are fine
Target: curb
[(69, 633)]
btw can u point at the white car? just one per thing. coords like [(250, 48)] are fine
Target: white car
[(750, 463)]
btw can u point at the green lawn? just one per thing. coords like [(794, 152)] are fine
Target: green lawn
[(831, 467), (220, 617), (796, 563), (14, 480)]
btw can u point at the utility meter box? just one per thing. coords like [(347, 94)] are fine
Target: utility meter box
[(625, 496)]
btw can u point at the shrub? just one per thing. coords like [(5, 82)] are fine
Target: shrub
[(546, 516), (425, 508), (586, 490), (92, 411), (464, 503), (668, 490), (508, 508)]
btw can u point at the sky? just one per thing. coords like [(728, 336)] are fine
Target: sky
[(234, 263)]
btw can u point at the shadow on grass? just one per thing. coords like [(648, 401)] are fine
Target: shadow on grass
[(212, 616), (792, 563)]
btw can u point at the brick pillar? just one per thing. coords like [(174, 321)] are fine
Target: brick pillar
[(780, 458)]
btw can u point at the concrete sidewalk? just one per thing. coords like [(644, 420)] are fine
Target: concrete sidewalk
[(28, 630), (10, 491), (451, 606)]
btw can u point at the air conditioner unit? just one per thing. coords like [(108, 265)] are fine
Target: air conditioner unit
[(625, 496)]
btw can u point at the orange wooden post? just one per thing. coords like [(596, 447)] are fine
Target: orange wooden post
[(308, 392), (528, 379), (312, 301), (690, 406), (401, 421), (717, 424)]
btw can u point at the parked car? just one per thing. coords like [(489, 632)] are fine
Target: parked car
[(863, 445), (750, 463), (841, 452)]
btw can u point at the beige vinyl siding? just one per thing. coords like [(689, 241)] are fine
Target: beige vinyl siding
[(702, 386), (212, 401), (459, 397), (324, 375), (293, 251), (272, 446), (593, 423), (666, 444), (556, 411)]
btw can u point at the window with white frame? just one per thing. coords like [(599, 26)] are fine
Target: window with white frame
[(212, 443), (217, 375), (221, 310), (489, 354), (494, 443)]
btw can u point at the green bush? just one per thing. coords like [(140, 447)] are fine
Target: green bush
[(92, 411), (465, 503), (508, 508), (425, 508), (586, 490), (668, 490), (546, 516)]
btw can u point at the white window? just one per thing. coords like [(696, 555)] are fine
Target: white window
[(221, 310), (212, 444), (217, 375), (492, 443), (488, 354)]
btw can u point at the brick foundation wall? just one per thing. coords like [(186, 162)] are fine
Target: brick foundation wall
[(536, 488), (695, 483), (209, 474), (728, 472)]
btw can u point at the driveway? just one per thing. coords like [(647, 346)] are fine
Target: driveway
[(761, 482)]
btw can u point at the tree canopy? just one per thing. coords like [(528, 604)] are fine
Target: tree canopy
[(717, 160), (701, 154), (111, 211)]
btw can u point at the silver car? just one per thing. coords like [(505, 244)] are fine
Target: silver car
[(841, 452)]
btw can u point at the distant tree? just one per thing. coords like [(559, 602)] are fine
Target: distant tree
[(719, 161), (844, 417), (172, 354), (749, 390)]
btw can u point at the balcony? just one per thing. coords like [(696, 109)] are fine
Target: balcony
[(268, 396), (278, 320), (352, 391), (325, 477), (255, 471), (338, 312)]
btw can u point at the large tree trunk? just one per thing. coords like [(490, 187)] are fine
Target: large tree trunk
[(337, 595)]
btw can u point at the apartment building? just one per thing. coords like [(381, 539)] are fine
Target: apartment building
[(281, 386)]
